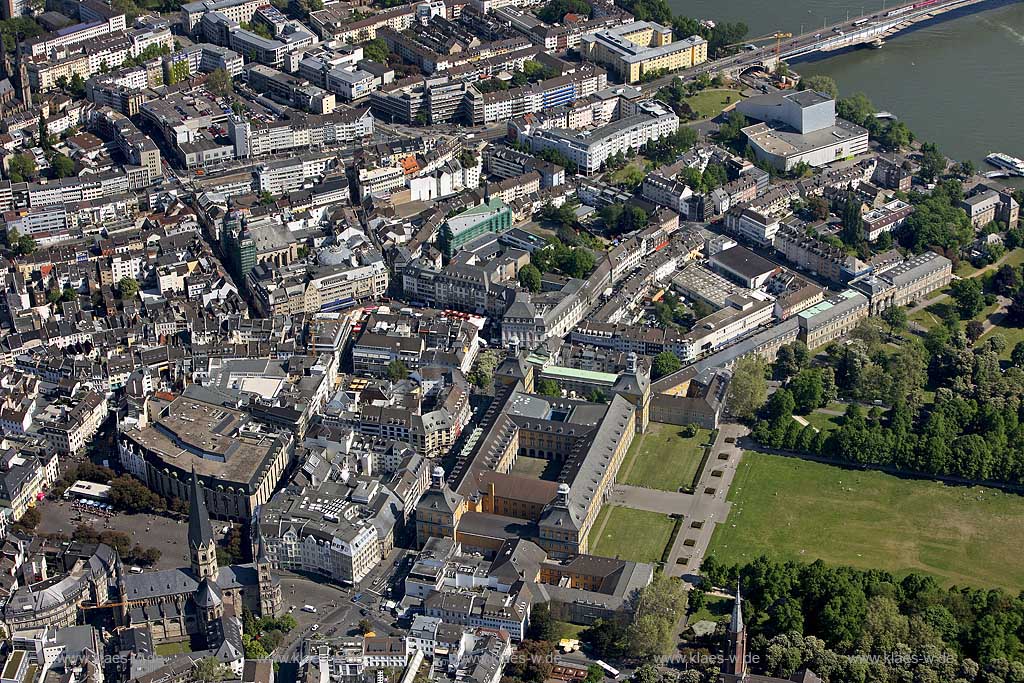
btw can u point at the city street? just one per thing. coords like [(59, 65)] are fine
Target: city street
[(337, 615)]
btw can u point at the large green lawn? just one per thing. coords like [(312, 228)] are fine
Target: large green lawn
[(1013, 258), (661, 458), (563, 629), (933, 315), (929, 316), (710, 103), (794, 509), (1012, 335), (630, 534)]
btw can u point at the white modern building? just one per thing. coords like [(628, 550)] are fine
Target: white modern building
[(589, 149), (801, 127)]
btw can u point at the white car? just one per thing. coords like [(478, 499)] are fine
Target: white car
[(314, 627)]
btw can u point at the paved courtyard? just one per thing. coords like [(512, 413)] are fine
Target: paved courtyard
[(162, 532)]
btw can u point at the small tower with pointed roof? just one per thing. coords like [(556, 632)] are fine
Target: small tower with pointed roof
[(201, 545), (439, 510), (737, 662), (634, 385), (8, 71), (514, 368), (209, 601)]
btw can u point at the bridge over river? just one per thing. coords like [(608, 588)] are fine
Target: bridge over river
[(869, 29)]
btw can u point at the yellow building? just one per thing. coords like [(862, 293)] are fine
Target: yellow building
[(633, 50)]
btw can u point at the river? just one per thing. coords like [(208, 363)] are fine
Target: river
[(957, 81)]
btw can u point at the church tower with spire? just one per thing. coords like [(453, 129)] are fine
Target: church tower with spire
[(24, 89), (201, 545), (271, 603), (736, 664), (8, 71)]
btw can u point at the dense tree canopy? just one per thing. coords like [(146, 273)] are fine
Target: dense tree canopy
[(748, 389), (848, 624), (572, 261), (937, 221), (822, 84), (665, 363), (529, 277), (972, 430), (554, 11)]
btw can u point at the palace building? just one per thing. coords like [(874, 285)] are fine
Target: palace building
[(536, 467)]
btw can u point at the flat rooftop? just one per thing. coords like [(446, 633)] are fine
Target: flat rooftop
[(743, 262), (786, 143), (187, 433)]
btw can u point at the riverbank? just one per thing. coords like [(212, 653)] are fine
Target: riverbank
[(954, 81)]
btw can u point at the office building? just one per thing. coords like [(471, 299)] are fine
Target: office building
[(490, 217), (590, 149), (832, 318)]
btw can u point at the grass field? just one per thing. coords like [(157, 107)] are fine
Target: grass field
[(563, 629), (932, 315), (662, 459), (632, 173), (630, 534), (1012, 335), (536, 468), (965, 269), (709, 103), (794, 509), (168, 649), (824, 422), (716, 608), (1014, 258)]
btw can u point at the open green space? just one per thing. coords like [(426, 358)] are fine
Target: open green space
[(793, 509), (633, 172), (965, 269), (662, 458), (823, 422), (932, 315), (715, 608), (1012, 335), (710, 103), (168, 649), (563, 629), (1013, 258), (630, 534)]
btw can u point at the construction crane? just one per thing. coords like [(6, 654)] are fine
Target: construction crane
[(777, 37), (778, 43)]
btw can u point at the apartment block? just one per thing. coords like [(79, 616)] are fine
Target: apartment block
[(634, 49)]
